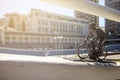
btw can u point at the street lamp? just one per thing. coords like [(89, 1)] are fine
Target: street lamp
[(57, 43)]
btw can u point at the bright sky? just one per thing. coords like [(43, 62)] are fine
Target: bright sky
[(102, 21), (24, 6)]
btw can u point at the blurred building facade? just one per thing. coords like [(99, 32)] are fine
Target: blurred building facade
[(4, 22), (43, 30), (90, 18), (16, 21), (112, 27)]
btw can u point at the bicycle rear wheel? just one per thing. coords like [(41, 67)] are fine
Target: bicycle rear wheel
[(102, 53), (83, 50)]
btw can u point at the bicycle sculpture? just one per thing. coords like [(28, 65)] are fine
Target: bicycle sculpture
[(92, 48)]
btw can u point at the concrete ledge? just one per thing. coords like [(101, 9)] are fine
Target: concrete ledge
[(23, 70), (25, 67), (88, 7)]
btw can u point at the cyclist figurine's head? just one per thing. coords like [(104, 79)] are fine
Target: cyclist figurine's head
[(92, 26)]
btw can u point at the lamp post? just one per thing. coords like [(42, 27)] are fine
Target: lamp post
[(57, 43), (55, 38)]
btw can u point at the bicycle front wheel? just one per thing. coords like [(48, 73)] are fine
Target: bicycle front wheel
[(83, 50)]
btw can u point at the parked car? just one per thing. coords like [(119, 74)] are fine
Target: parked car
[(113, 47)]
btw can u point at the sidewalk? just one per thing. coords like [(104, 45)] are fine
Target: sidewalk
[(113, 57), (110, 58), (64, 59)]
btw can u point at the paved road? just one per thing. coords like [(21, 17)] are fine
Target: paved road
[(21, 67)]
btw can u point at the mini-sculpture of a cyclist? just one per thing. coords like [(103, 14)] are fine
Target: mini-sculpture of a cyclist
[(99, 36), (92, 46)]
